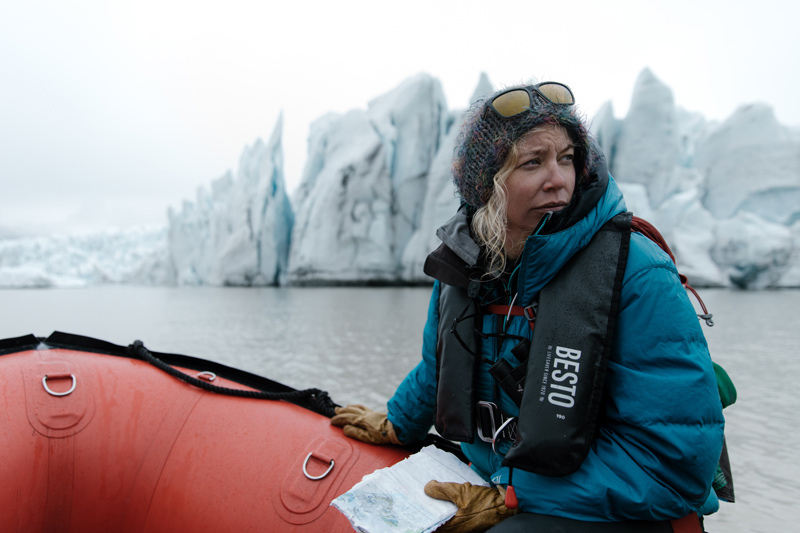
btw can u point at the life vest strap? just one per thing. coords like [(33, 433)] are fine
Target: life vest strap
[(529, 312)]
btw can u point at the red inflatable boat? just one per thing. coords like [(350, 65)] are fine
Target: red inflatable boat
[(98, 437)]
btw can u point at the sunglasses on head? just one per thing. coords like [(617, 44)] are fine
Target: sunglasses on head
[(515, 101)]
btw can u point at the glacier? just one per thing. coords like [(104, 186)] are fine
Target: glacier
[(135, 255), (376, 184)]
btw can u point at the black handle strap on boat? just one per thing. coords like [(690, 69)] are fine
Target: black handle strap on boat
[(317, 399)]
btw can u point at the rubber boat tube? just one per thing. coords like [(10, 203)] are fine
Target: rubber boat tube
[(95, 440)]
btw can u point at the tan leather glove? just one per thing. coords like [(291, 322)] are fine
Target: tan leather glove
[(479, 508), (365, 425)]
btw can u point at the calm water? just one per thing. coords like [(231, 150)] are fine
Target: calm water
[(358, 344)]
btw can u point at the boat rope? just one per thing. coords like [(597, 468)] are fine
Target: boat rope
[(317, 399)]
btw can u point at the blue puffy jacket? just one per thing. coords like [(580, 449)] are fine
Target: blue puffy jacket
[(661, 430)]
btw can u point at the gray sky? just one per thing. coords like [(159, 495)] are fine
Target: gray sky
[(112, 111)]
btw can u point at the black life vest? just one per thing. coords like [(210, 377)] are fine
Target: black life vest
[(567, 362)]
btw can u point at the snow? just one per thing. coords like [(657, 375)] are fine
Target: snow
[(376, 185)]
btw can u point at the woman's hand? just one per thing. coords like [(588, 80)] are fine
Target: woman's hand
[(479, 508), (365, 425)]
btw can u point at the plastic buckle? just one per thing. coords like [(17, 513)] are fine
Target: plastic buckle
[(490, 409), (530, 312)]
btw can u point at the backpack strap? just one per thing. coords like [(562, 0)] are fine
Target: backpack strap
[(642, 226)]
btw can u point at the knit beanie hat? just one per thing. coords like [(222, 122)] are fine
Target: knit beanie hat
[(486, 138)]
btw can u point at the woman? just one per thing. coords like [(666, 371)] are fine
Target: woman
[(560, 349)]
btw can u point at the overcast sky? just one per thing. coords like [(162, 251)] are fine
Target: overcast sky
[(112, 111)]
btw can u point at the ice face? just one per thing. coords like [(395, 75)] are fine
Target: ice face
[(752, 163), (364, 186), (755, 253), (648, 147), (239, 233), (723, 195), (438, 206)]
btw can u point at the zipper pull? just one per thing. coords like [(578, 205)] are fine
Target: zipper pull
[(511, 494)]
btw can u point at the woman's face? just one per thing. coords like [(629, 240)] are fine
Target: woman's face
[(543, 180)]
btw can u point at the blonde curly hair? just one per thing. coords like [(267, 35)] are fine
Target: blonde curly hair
[(490, 221)]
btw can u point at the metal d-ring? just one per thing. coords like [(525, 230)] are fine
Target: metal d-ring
[(315, 478), (53, 393), (208, 376)]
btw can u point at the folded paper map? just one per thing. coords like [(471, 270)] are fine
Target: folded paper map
[(392, 499)]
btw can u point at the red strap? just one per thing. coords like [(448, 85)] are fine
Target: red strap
[(688, 524), (511, 310), (505, 310), (648, 230)]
